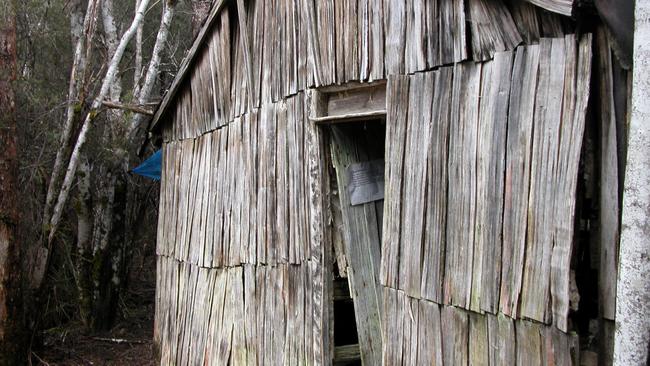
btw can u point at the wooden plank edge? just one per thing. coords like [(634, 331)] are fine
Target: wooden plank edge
[(349, 117), (183, 71)]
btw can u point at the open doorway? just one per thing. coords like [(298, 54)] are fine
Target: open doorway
[(357, 186)]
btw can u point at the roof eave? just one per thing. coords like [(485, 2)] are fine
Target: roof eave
[(183, 71)]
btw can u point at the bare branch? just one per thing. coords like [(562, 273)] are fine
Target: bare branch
[(128, 107)]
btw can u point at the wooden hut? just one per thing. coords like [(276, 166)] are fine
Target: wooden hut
[(396, 182)]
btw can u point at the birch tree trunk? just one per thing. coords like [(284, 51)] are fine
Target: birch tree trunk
[(632, 336), (84, 210), (12, 350), (82, 36), (90, 117)]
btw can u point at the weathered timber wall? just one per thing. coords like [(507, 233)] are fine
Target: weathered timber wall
[(299, 44), (477, 236), (491, 141), (241, 253)]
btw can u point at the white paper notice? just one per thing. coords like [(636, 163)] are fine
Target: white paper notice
[(366, 182)]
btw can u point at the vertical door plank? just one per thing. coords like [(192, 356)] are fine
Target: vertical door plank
[(362, 247)]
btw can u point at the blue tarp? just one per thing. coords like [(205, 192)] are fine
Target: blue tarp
[(150, 168)]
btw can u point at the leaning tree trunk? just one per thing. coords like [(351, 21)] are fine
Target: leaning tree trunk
[(12, 349)]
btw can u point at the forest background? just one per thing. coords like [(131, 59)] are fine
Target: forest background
[(79, 80)]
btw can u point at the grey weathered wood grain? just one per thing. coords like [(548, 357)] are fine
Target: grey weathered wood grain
[(395, 19), (551, 24), (377, 39), (578, 66), (525, 18), (282, 181), (557, 347), (357, 100), (535, 299), (461, 215), (492, 29), (416, 47), (518, 147), (455, 323), (529, 343), (350, 39), (478, 344), (564, 7), (491, 152), (429, 334), (250, 314), (391, 351), (414, 183), (433, 266), (431, 30), (501, 338), (451, 26), (397, 107)]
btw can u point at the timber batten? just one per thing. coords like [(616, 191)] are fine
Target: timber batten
[(468, 257)]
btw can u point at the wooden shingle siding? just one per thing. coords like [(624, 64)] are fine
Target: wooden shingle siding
[(503, 230), (564, 7), (243, 315), (209, 216), (397, 112), (484, 124), (461, 194), (422, 332), (489, 38), (433, 265), (490, 166), (517, 177), (291, 45)]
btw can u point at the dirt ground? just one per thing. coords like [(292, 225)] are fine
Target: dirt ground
[(129, 343)]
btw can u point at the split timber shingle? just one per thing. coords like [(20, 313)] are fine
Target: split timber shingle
[(485, 114)]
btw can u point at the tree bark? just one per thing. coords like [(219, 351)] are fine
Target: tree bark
[(200, 10), (83, 133), (632, 335), (12, 347), (84, 211), (136, 129), (82, 35)]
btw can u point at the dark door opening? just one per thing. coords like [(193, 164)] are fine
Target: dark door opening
[(357, 161)]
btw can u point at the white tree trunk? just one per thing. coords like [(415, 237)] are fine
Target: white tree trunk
[(110, 31), (632, 336), (84, 231), (82, 44), (169, 9), (97, 102), (137, 69)]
